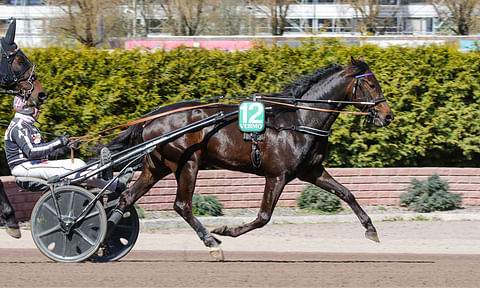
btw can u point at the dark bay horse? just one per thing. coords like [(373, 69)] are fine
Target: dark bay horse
[(286, 153), (17, 77)]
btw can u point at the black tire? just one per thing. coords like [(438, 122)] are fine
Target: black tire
[(121, 240), (83, 239)]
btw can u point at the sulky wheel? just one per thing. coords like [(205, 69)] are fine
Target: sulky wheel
[(60, 237), (122, 239)]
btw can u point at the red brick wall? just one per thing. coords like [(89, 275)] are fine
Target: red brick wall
[(371, 186)]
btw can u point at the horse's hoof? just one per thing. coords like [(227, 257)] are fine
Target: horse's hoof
[(219, 230), (14, 232), (217, 253), (372, 235)]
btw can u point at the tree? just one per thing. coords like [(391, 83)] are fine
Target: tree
[(276, 11), (90, 22), (188, 17), (145, 9), (369, 11), (232, 17), (458, 15)]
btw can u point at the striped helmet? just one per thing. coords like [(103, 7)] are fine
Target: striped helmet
[(21, 107)]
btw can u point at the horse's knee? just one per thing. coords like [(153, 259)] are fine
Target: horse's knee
[(181, 208), (7, 210)]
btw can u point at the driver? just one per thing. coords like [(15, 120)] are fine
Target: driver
[(29, 156)]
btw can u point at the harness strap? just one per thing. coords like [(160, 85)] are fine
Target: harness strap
[(11, 92), (313, 108), (303, 129), (379, 100)]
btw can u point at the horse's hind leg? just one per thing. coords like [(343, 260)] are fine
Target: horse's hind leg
[(272, 191), (150, 175), (8, 214), (152, 172), (183, 206), (320, 177)]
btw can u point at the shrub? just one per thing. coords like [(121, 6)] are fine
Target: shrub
[(430, 195), (433, 90), (140, 212), (206, 205), (315, 198)]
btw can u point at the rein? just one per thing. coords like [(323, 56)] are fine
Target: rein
[(141, 120)]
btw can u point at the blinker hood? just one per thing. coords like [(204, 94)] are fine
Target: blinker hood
[(9, 77)]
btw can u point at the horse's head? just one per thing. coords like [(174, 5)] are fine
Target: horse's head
[(17, 72), (365, 89)]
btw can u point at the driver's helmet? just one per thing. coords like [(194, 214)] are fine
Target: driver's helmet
[(20, 106)]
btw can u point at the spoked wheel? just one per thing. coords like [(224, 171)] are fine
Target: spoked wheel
[(122, 239), (65, 240)]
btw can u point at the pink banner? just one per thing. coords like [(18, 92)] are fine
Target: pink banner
[(227, 45)]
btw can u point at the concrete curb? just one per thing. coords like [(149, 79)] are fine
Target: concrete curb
[(178, 222)]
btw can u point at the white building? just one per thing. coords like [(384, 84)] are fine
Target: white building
[(306, 17)]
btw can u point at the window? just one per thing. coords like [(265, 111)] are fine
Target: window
[(317, 1), (25, 2)]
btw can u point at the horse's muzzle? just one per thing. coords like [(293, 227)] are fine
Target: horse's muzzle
[(383, 120)]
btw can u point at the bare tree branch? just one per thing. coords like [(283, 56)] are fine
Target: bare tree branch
[(90, 22), (276, 11), (460, 16), (369, 12)]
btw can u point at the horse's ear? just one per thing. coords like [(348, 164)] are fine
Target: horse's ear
[(8, 42), (10, 36), (353, 60)]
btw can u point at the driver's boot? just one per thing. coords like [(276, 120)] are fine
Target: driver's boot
[(106, 158)]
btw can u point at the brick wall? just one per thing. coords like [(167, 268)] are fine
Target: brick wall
[(371, 186)]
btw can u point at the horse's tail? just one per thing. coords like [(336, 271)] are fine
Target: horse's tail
[(130, 137)]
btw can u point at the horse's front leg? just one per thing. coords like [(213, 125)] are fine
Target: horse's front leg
[(186, 180), (320, 177), (273, 189), (8, 214)]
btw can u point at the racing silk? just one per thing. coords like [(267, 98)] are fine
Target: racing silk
[(23, 142)]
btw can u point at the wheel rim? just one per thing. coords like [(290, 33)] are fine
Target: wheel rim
[(84, 237)]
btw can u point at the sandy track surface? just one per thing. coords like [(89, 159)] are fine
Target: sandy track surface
[(411, 254), (243, 269)]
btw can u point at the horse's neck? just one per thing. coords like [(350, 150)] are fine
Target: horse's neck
[(323, 120)]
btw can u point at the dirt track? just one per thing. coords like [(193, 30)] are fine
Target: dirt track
[(411, 254), (243, 269)]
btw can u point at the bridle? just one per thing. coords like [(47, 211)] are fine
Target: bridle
[(369, 101), (10, 78)]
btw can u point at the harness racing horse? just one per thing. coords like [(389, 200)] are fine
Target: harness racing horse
[(17, 77), (294, 145)]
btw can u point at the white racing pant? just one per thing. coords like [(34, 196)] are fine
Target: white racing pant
[(45, 169)]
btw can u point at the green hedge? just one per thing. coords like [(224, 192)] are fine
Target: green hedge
[(433, 91)]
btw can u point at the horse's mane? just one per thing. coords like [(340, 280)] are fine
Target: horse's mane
[(301, 85)]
